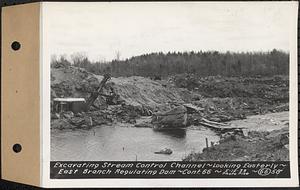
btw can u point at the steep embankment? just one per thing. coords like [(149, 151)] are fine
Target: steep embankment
[(134, 91)]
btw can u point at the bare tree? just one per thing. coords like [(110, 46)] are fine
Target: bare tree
[(78, 58), (117, 55)]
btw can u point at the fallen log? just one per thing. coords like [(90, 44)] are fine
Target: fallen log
[(210, 125), (192, 108), (213, 122), (215, 125)]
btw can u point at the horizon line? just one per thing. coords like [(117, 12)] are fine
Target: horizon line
[(68, 56)]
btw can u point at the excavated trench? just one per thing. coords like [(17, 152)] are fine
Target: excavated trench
[(106, 132)]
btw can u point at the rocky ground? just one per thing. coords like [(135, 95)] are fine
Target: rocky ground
[(253, 146), (206, 100), (230, 98)]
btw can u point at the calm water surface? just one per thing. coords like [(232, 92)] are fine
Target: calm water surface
[(126, 143)]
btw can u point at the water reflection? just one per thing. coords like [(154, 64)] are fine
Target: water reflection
[(122, 143), (178, 133)]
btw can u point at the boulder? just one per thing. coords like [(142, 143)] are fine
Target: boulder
[(175, 118), (164, 151)]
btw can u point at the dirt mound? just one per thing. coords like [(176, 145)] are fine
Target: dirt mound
[(140, 91), (231, 98), (274, 88), (69, 81), (72, 82), (227, 109)]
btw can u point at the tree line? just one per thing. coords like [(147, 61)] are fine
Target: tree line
[(209, 63)]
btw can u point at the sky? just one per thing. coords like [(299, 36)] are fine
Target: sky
[(101, 29)]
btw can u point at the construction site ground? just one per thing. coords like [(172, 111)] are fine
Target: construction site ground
[(253, 110)]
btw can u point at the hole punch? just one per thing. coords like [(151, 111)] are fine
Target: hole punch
[(15, 45), (17, 148)]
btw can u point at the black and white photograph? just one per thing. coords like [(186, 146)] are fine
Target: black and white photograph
[(150, 94), (169, 81)]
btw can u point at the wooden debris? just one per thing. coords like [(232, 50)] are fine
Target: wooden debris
[(192, 108)]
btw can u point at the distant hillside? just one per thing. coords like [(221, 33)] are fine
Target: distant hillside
[(201, 63)]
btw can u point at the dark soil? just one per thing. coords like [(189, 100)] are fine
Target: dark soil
[(231, 98), (273, 88)]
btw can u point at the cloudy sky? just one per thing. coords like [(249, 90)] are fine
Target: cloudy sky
[(101, 29)]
